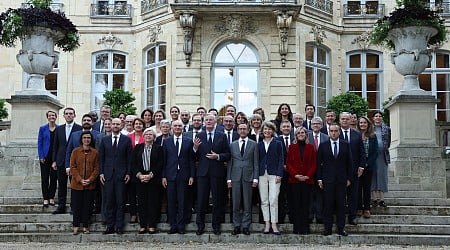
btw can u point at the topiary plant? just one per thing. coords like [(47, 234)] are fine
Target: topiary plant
[(120, 101), (348, 102)]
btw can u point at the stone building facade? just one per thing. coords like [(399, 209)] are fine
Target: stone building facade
[(253, 53)]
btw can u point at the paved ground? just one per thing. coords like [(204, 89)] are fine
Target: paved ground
[(142, 245)]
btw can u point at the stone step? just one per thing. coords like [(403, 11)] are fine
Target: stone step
[(375, 219), (404, 187), (228, 227), (208, 237), (418, 201), (415, 194)]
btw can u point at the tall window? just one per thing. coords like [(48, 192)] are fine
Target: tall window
[(235, 77), (436, 79), (110, 71), (155, 77), (364, 73), (317, 77), (363, 7)]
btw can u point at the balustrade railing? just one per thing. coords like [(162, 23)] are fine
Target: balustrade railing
[(323, 5)]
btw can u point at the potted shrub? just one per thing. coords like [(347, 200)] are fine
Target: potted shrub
[(40, 29), (409, 30)]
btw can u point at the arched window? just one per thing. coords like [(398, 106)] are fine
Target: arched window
[(235, 77), (436, 78), (317, 60), (110, 71), (155, 77), (364, 76)]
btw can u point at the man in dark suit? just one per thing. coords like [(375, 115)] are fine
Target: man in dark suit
[(185, 116), (212, 150), (309, 110), (359, 161), (242, 175), (115, 153), (178, 173), (315, 137), (330, 118), (284, 198), (334, 165), (62, 137), (105, 112), (228, 129)]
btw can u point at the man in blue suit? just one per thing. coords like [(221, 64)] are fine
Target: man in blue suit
[(359, 162), (178, 173), (105, 112), (285, 197), (334, 166), (115, 153), (62, 137), (212, 150)]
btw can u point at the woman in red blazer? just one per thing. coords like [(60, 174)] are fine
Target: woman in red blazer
[(301, 166)]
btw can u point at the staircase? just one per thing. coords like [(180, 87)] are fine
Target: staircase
[(418, 218)]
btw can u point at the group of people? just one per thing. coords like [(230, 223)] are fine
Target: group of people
[(294, 166)]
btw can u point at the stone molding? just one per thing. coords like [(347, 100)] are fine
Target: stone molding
[(109, 41), (188, 19)]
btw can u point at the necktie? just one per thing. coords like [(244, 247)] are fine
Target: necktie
[(242, 147), (346, 135), (102, 129), (229, 137), (210, 138), (68, 131), (309, 124), (115, 143), (177, 144), (335, 153), (286, 141), (316, 141)]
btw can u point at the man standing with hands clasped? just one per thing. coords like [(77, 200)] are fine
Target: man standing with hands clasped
[(334, 172), (242, 175)]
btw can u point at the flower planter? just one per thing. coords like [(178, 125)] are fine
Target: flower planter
[(411, 55), (37, 56)]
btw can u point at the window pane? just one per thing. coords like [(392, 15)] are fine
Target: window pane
[(221, 99), (162, 75), (355, 61), (51, 83), (150, 87), (309, 77), (372, 61), (248, 80), (150, 94), (373, 100), (355, 82), (309, 94), (353, 7), (162, 52), (372, 82), (101, 61), (236, 49), (151, 55), (119, 61), (247, 102), (118, 81), (425, 82), (443, 116), (371, 7), (100, 86), (309, 53), (321, 97), (321, 56), (321, 78), (224, 56), (442, 60), (162, 96), (248, 56), (223, 79)]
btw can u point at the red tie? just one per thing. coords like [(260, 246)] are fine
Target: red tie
[(316, 141)]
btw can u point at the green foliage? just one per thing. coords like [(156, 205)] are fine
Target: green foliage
[(40, 3), (3, 110), (348, 102), (120, 101), (386, 115), (408, 13)]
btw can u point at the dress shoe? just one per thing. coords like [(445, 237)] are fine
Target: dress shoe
[(142, 231), (151, 230), (59, 211), (173, 231), (133, 219), (276, 233), (119, 231), (51, 203), (382, 204), (217, 231), (109, 230), (200, 231), (246, 231), (352, 222), (236, 230), (86, 230), (342, 233), (366, 214), (326, 232)]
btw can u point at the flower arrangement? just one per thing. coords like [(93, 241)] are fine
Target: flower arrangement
[(408, 13), (15, 24)]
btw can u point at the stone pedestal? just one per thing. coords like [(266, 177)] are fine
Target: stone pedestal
[(28, 112), (415, 155)]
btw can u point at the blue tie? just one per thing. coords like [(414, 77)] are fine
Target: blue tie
[(335, 153), (242, 147), (346, 135)]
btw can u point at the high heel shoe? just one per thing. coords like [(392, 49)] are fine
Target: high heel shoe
[(51, 202), (45, 204), (86, 230)]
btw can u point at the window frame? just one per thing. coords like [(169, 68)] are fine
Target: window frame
[(157, 104)]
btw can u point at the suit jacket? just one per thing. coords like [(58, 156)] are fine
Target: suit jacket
[(60, 143), (190, 134), (305, 165), (160, 140), (44, 140), (207, 167), (156, 163), (283, 144), (331, 170), (96, 125), (243, 168), (115, 163), (185, 160), (83, 165), (357, 149), (324, 128), (323, 138), (305, 124), (234, 135), (74, 142), (273, 159)]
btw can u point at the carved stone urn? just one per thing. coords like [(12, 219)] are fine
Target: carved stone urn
[(37, 57), (411, 55)]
